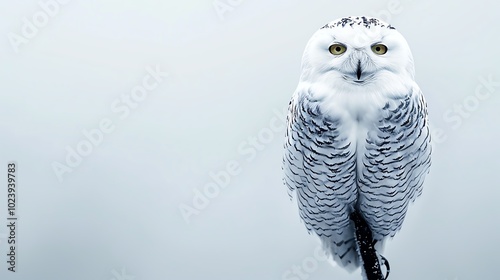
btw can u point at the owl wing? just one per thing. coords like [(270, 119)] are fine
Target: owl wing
[(320, 166), (396, 159)]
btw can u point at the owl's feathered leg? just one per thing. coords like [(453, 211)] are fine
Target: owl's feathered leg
[(366, 249)]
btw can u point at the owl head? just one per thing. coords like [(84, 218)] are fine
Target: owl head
[(357, 53)]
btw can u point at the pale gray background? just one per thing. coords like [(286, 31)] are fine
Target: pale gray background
[(120, 207)]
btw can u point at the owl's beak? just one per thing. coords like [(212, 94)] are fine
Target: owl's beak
[(358, 71)]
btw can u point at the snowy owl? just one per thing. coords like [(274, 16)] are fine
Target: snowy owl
[(357, 141)]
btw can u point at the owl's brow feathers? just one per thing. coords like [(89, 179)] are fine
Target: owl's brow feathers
[(358, 21)]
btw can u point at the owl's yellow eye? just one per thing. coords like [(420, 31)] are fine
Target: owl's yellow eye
[(379, 49), (337, 49)]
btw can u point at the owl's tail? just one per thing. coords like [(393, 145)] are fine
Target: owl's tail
[(341, 246), (353, 246)]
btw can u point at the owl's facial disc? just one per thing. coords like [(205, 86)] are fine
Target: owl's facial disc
[(357, 51)]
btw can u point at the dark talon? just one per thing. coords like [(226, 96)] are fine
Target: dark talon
[(387, 266)]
